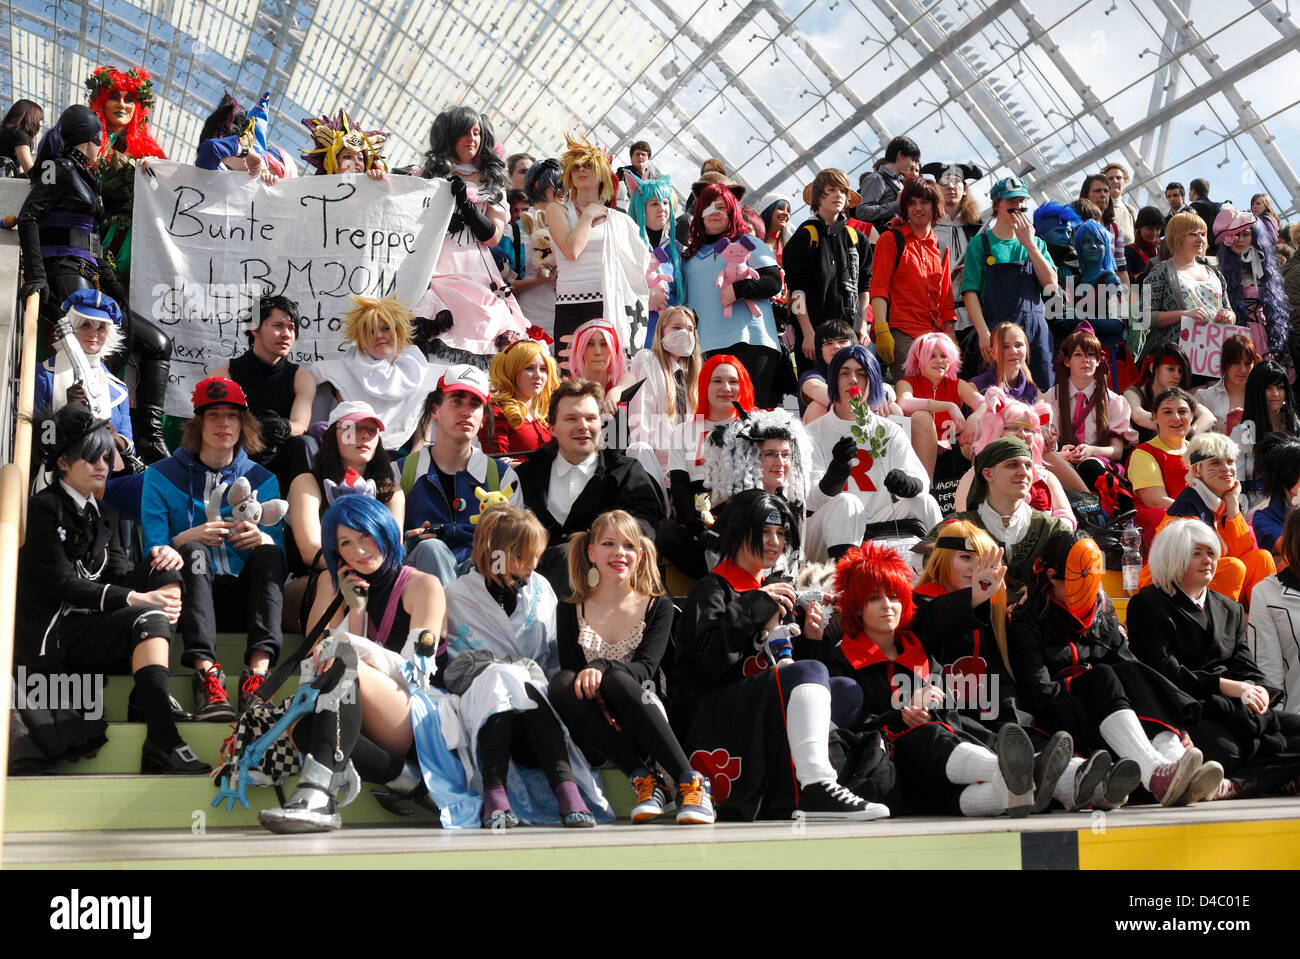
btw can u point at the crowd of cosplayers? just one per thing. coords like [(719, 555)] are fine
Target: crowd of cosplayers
[(776, 518)]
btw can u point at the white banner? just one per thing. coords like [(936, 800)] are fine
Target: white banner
[(207, 245)]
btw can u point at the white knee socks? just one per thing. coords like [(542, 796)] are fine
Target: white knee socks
[(970, 763), (1063, 791), (985, 799), (1168, 744), (1124, 735), (807, 724)]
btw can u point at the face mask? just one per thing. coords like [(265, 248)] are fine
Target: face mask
[(1083, 568), (679, 342)]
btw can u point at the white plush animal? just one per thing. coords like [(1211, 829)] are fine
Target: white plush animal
[(244, 505)]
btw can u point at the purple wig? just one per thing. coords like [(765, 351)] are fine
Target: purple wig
[(1277, 309)]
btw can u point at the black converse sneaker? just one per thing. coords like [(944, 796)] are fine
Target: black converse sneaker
[(831, 802)]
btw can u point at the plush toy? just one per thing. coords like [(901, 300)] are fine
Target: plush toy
[(244, 505), (353, 482), (539, 238), (488, 500), (704, 507), (737, 257)]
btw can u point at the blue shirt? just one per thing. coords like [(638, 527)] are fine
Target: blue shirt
[(717, 332)]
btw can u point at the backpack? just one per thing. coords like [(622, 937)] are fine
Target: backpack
[(410, 474)]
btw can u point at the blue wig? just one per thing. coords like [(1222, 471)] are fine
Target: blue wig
[(1095, 229), (867, 359), (1046, 216), (368, 517), (1276, 306), (639, 193)]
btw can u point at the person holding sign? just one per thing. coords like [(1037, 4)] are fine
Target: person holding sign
[(468, 302), (1226, 397), (1184, 286)]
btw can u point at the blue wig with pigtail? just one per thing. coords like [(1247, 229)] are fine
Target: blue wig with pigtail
[(867, 359), (1277, 308), (367, 516)]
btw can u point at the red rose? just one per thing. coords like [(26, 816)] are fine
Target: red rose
[(855, 392)]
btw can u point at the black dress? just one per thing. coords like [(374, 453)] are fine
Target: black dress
[(1196, 648)]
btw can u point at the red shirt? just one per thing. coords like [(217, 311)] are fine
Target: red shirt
[(919, 291), (505, 439)]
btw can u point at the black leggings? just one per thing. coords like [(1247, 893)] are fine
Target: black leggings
[(539, 745), (645, 737), (64, 275)]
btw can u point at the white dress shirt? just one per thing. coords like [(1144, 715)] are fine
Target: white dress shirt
[(567, 482)]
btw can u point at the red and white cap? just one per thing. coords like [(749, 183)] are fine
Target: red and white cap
[(217, 389), (355, 411), (466, 379)]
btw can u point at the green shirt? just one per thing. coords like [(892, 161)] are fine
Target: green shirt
[(1002, 251)]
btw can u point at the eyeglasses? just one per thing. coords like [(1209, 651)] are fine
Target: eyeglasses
[(771, 456)]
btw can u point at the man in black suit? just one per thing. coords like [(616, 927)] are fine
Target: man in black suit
[(571, 480)]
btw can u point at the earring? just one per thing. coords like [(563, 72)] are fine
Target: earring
[(593, 577)]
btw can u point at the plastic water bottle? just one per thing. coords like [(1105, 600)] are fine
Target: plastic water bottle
[(1131, 564)]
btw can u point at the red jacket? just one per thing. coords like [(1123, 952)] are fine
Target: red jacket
[(919, 291)]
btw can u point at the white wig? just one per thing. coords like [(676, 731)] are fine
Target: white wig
[(113, 342), (1171, 552), (1204, 446), (731, 460)]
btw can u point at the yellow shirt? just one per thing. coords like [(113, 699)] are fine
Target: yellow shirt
[(1144, 471)]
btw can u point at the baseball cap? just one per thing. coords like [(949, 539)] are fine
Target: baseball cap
[(1007, 188), (217, 389), (467, 379), (354, 411)]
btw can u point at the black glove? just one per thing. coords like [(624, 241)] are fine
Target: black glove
[(902, 485), (837, 471), (480, 227), (275, 429)]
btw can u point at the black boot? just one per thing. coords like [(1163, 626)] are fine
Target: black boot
[(147, 417)]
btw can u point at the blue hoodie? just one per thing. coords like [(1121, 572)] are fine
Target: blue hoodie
[(176, 490)]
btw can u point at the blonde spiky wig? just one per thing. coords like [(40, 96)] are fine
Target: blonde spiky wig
[(1206, 446), (370, 314), (331, 135), (581, 153)]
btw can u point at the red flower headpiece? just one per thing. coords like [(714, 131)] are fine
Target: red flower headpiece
[(137, 83)]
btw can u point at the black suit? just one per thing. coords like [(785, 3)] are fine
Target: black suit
[(619, 482), (1196, 648), (69, 616)]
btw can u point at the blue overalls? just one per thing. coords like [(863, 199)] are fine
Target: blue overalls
[(1011, 294)]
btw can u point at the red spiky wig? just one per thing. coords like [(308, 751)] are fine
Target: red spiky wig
[(866, 571), (138, 82)]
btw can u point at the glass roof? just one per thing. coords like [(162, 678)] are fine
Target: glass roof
[(776, 89)]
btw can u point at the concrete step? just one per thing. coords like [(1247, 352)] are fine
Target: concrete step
[(112, 801)]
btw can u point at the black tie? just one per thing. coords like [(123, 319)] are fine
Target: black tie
[(679, 383)]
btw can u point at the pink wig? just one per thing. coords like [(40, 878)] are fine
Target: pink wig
[(582, 336), (923, 347), (999, 410)]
